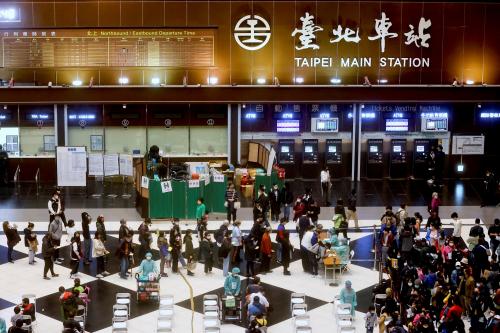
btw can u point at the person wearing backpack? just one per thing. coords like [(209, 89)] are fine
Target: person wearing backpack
[(56, 229), (219, 236), (224, 252), (165, 257)]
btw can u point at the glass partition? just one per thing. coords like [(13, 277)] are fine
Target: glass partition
[(208, 140), (85, 127), (125, 129), (36, 130), (9, 129), (172, 141)]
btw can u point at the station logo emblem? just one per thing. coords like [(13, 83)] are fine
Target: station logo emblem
[(210, 122), (252, 32), (125, 123), (168, 123)]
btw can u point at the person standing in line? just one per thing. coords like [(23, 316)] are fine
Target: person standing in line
[(435, 203), (86, 220), (76, 255), (351, 208), (12, 239), (236, 243), (56, 229), (175, 238), (61, 201), (250, 246), (201, 211), (457, 227), (30, 242), (267, 251), (326, 184), (54, 206), (207, 252), (124, 251), (279, 238), (100, 253), (286, 252), (275, 203), (225, 251), (48, 254), (494, 233), (188, 243), (164, 252), (219, 236), (123, 231), (287, 200), (145, 237), (101, 228), (370, 319), (232, 201)]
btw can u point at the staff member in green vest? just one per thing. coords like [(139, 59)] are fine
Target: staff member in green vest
[(201, 222)]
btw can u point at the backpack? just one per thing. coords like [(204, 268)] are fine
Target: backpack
[(338, 220)]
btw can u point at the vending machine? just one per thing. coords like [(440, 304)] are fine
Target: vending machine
[(286, 156), (333, 151), (398, 160), (310, 159), (375, 167), (421, 150)]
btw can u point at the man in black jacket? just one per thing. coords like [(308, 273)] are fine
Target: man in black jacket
[(87, 241), (47, 252)]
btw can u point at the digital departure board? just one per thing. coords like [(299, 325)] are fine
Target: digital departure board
[(182, 48)]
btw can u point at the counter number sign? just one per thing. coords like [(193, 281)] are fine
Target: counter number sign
[(194, 183), (166, 186)]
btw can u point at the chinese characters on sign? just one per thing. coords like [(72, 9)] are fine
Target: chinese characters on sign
[(421, 37), (382, 28), (307, 33)]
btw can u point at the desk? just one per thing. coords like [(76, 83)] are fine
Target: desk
[(332, 262)]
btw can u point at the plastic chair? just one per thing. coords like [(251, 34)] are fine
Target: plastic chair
[(345, 266), (301, 321), (211, 299), (163, 330), (119, 323), (124, 299), (120, 311), (303, 329), (166, 311), (379, 302), (344, 309), (344, 321), (27, 323), (299, 309), (166, 300), (210, 322), (211, 311), (81, 321), (297, 298), (351, 329), (211, 330), (164, 323)]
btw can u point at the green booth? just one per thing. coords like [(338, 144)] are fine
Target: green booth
[(181, 201)]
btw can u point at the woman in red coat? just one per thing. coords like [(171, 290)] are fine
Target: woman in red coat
[(267, 251)]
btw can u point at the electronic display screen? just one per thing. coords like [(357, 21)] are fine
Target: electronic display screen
[(420, 149), (373, 149), (308, 149), (332, 149), (285, 149), (287, 126), (396, 125), (436, 124), (327, 125), (396, 149)]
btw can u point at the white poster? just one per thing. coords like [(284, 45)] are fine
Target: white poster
[(166, 186), (468, 145), (218, 178), (96, 167), (145, 182), (270, 162), (126, 168), (111, 167), (71, 166), (193, 183)]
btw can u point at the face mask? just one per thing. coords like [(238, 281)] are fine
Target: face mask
[(148, 258), (410, 284)]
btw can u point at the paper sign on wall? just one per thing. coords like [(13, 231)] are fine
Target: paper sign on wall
[(111, 167), (194, 183), (166, 186), (144, 182), (125, 162), (96, 167), (71, 166), (218, 178), (206, 178)]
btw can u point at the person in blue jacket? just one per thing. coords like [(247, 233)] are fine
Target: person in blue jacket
[(3, 326), (147, 266), (232, 284)]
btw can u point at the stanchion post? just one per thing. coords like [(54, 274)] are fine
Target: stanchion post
[(374, 249)]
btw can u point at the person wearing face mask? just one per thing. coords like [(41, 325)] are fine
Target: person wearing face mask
[(466, 289), (275, 203), (448, 254), (232, 284), (147, 267), (348, 296), (207, 252), (478, 307)]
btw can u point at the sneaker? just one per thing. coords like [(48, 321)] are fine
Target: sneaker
[(190, 273), (123, 277), (105, 273), (99, 276), (164, 275), (55, 275), (46, 278), (60, 259)]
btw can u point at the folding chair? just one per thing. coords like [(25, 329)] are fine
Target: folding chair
[(303, 329), (299, 309), (351, 329), (211, 330), (124, 299), (344, 321), (166, 300), (27, 323), (344, 309), (210, 299), (119, 323), (119, 330), (301, 321), (164, 323), (379, 302), (211, 311), (163, 330), (81, 311), (81, 321), (166, 311), (120, 311), (210, 322), (297, 298)]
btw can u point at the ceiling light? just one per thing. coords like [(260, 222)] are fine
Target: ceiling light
[(77, 83), (123, 80), (382, 81)]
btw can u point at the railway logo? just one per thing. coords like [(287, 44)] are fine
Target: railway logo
[(252, 32)]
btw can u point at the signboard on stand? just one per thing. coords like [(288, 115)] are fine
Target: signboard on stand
[(71, 166)]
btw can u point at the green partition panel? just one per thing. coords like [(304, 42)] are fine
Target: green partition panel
[(160, 204), (192, 195), (179, 199), (218, 196)]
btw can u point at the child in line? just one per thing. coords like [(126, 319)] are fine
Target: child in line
[(370, 319)]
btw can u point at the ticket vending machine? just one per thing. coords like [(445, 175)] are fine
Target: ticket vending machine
[(286, 156), (421, 150), (333, 151), (375, 167), (310, 159), (398, 159)]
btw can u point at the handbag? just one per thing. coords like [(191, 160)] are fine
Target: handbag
[(191, 266), (237, 205), (226, 204)]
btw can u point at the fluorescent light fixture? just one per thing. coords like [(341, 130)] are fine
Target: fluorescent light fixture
[(123, 80), (212, 80), (460, 167), (77, 82), (2, 116), (335, 80), (469, 82), (299, 80), (124, 106), (10, 14), (382, 81), (5, 107), (155, 80), (261, 80)]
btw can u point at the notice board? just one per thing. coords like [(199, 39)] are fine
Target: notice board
[(71, 166), (468, 145)]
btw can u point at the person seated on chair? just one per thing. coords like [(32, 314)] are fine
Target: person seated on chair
[(147, 267), (258, 325), (255, 308), (262, 299), (232, 284), (71, 325), (28, 308), (17, 327), (342, 250)]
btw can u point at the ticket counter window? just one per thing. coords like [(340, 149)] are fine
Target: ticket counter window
[(171, 141), (208, 140), (125, 129), (36, 131), (85, 128)]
